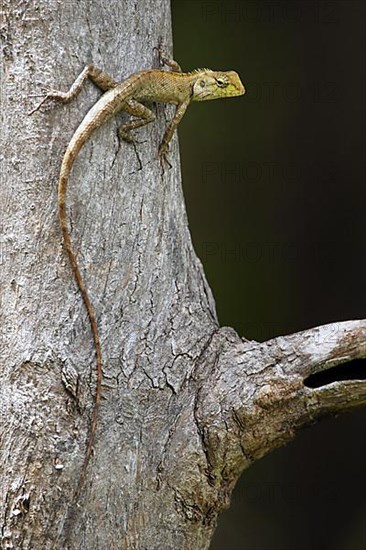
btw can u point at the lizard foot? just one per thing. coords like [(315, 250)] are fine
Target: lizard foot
[(164, 58), (51, 94), (163, 156)]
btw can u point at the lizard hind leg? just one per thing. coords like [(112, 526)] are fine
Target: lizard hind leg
[(101, 79)]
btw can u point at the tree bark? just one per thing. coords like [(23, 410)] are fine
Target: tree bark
[(187, 405)]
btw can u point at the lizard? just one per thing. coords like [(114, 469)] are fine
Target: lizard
[(130, 95)]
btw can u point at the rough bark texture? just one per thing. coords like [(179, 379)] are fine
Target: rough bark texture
[(187, 406)]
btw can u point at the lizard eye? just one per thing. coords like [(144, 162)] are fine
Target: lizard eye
[(202, 83), (221, 82)]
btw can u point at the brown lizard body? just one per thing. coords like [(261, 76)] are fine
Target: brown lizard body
[(146, 86)]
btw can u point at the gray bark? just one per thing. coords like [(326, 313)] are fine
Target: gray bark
[(187, 405)]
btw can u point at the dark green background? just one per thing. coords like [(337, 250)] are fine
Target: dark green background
[(275, 189)]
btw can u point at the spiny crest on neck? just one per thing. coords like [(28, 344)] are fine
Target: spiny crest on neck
[(198, 71)]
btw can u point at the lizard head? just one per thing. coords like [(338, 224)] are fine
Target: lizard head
[(216, 84)]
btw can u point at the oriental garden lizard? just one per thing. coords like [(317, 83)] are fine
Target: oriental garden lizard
[(153, 85)]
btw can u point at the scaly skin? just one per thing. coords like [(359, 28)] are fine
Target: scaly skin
[(151, 86)]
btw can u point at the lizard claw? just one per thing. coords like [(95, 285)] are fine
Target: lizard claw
[(51, 94), (164, 59), (163, 156), (38, 106), (127, 137), (160, 51)]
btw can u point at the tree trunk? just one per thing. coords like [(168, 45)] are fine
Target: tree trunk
[(187, 405)]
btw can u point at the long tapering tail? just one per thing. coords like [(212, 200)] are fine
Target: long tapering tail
[(67, 163)]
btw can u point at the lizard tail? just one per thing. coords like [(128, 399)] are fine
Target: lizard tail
[(66, 166)]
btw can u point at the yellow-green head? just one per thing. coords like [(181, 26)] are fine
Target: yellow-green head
[(216, 84)]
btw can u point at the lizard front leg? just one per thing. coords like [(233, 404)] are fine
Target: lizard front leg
[(175, 67), (165, 60), (168, 134), (145, 116), (101, 79)]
